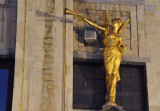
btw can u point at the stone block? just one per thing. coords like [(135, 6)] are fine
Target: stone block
[(149, 13), (128, 8), (157, 13), (158, 8), (149, 7), (129, 2), (100, 50), (37, 65), (48, 46), (81, 48), (154, 22), (2, 1), (140, 14), (48, 59), (154, 2), (90, 49), (116, 8), (47, 65), (48, 71), (49, 54), (48, 78), (45, 9), (112, 108), (49, 41)]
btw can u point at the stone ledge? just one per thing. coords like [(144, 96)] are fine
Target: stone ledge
[(99, 57), (112, 108), (127, 2)]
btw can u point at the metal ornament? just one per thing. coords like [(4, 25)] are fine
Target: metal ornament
[(112, 52)]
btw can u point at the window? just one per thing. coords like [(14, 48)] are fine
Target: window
[(89, 87), (6, 84)]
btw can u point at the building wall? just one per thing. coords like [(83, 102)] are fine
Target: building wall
[(152, 45), (46, 46), (8, 22), (39, 55)]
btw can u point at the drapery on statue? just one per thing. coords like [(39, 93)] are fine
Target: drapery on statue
[(112, 52)]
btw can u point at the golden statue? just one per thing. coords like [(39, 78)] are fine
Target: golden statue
[(112, 52)]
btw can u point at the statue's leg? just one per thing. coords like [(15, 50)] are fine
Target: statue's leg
[(113, 90), (110, 81), (115, 78), (108, 86), (108, 71)]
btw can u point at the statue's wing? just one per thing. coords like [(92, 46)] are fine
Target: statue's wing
[(122, 26), (106, 19)]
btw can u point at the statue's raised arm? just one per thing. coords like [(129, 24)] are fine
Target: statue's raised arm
[(93, 24), (122, 26), (106, 19), (88, 20)]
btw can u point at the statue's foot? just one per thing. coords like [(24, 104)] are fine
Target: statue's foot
[(110, 103)]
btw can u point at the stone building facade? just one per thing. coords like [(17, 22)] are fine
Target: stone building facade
[(8, 23), (48, 42)]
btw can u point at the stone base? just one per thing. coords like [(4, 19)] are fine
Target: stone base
[(112, 108)]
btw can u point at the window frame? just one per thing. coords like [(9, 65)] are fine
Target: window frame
[(128, 64)]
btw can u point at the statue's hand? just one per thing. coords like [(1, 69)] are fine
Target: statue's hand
[(122, 47), (82, 18)]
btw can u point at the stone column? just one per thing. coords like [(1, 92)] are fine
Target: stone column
[(39, 56)]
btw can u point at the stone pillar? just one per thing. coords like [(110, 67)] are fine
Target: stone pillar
[(39, 56)]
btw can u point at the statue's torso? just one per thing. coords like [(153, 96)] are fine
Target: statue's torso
[(111, 41)]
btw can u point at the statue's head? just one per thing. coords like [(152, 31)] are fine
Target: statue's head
[(116, 22)]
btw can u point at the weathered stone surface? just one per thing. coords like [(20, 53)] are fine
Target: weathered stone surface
[(129, 2), (44, 43), (150, 7), (42, 71), (112, 108), (99, 56), (2, 1)]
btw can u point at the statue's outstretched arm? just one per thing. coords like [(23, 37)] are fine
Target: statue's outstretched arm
[(93, 24), (122, 26)]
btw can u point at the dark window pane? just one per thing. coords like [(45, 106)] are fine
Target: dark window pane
[(99, 100), (78, 84), (136, 87), (78, 98), (136, 73), (125, 73), (100, 86), (118, 99), (137, 101), (89, 72), (89, 99), (79, 71), (99, 72), (88, 85), (119, 87), (127, 86), (127, 101)]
